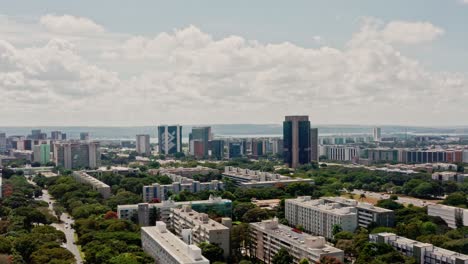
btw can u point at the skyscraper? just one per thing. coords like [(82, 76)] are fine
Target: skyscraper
[(217, 149), (41, 153), (56, 135), (314, 156), (235, 150), (84, 136), (296, 136), (72, 155), (170, 139), (36, 134), (143, 146), (202, 134), (377, 134), (2, 142)]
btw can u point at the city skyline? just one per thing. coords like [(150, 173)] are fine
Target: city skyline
[(341, 63)]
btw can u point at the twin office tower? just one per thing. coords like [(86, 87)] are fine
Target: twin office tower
[(170, 139), (300, 142)]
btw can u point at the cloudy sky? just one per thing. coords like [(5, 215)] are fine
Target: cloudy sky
[(145, 62)]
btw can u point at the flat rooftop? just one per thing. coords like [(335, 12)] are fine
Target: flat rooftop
[(198, 219), (172, 244), (321, 205)]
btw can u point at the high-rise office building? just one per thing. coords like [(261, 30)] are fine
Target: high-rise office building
[(296, 140), (377, 134), (202, 135), (3, 142), (170, 139), (216, 149), (258, 148), (143, 146), (235, 150), (314, 146), (84, 136), (36, 134), (56, 135), (71, 155), (64, 136), (41, 153)]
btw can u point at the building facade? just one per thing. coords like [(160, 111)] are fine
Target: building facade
[(424, 253), (314, 145), (296, 140), (268, 237), (203, 228), (143, 146), (216, 149), (102, 188), (77, 154), (377, 133), (453, 216), (170, 139), (319, 217), (167, 248), (202, 136), (41, 153), (340, 153)]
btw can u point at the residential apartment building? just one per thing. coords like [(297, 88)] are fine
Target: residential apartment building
[(340, 153), (258, 179), (296, 140), (143, 146), (162, 210), (424, 253), (77, 154), (185, 172), (445, 176), (453, 216), (167, 248), (431, 156), (319, 217), (367, 213), (170, 139), (102, 188), (203, 228), (382, 155), (179, 184), (268, 237)]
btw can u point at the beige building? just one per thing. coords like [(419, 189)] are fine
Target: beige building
[(319, 217), (167, 248), (268, 237), (102, 188), (449, 214), (203, 229)]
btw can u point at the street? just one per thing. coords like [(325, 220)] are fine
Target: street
[(64, 226)]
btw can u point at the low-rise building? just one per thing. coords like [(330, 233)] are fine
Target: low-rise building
[(452, 215), (203, 228), (179, 184), (161, 211), (367, 213), (449, 176), (257, 179), (185, 172), (319, 217), (167, 248), (268, 237), (102, 188), (424, 253)]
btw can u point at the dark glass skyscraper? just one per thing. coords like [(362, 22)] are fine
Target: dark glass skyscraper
[(217, 149), (314, 156), (296, 136), (170, 139), (202, 134)]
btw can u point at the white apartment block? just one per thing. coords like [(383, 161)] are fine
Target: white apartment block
[(143, 210), (268, 237), (257, 179), (203, 228), (339, 153), (449, 176), (318, 217), (423, 252), (102, 188), (179, 184), (449, 214), (167, 248)]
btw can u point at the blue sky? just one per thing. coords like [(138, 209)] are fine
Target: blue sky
[(271, 20), (350, 55)]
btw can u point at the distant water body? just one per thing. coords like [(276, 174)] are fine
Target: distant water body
[(232, 130)]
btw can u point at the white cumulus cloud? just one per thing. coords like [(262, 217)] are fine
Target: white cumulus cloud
[(67, 24)]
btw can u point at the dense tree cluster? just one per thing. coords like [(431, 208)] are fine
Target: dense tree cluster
[(24, 226)]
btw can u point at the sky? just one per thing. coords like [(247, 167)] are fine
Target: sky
[(147, 62)]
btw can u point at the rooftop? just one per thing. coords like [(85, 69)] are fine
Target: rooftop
[(183, 252), (321, 205), (294, 237), (198, 219)]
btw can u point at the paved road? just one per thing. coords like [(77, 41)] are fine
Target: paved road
[(401, 200), (64, 226)]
